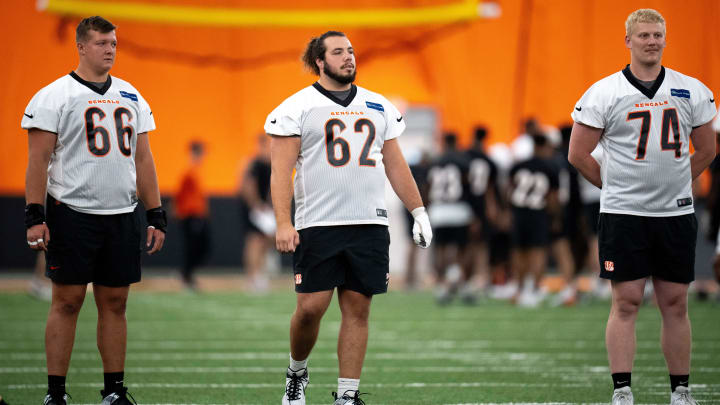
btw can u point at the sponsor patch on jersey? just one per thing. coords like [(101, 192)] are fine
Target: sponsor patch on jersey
[(609, 266), (684, 202), (375, 106), (684, 93), (298, 279), (381, 212), (131, 96)]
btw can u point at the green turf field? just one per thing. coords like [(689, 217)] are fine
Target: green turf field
[(230, 348)]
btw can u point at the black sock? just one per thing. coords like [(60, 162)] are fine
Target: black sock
[(56, 385), (678, 380), (114, 381), (621, 380)]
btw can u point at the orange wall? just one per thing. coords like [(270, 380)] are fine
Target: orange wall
[(218, 84)]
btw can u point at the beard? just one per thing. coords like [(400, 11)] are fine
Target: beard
[(342, 79)]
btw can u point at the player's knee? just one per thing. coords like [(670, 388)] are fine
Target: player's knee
[(627, 308), (67, 307), (114, 305), (309, 314), (675, 306)]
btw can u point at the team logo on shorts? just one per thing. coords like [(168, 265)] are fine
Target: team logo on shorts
[(609, 266), (298, 279)]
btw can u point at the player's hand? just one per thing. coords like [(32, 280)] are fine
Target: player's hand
[(155, 239), (422, 232), (286, 238), (38, 237)]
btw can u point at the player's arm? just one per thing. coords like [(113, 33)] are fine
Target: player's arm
[(149, 193), (402, 182), (41, 145), (703, 140), (284, 151), (583, 140)]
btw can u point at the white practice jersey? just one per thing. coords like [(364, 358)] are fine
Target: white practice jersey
[(340, 176), (716, 124), (645, 166), (92, 168)]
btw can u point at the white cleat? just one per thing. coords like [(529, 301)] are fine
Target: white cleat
[(622, 396), (682, 396), (295, 383)]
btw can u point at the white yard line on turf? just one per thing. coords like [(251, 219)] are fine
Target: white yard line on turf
[(602, 370), (459, 356), (369, 385)]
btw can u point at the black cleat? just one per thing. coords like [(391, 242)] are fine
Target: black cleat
[(117, 398), (55, 399)]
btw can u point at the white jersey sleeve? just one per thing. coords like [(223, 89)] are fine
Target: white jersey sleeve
[(592, 108), (285, 120), (703, 105), (716, 123), (43, 111), (395, 120), (146, 121)]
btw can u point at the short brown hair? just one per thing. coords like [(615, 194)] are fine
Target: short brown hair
[(95, 23), (316, 50)]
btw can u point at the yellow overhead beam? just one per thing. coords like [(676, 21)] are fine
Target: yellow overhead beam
[(248, 17)]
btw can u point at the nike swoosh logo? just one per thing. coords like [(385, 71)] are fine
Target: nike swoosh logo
[(578, 108), (29, 115), (273, 121), (399, 119), (712, 100), (621, 382)]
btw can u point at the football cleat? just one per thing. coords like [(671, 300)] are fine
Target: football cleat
[(622, 396), (295, 384), (54, 399), (681, 396), (348, 398), (117, 397)]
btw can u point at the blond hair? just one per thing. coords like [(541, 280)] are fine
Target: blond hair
[(643, 15)]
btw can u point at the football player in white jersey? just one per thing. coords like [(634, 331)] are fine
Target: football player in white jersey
[(89, 162), (340, 139), (644, 117)]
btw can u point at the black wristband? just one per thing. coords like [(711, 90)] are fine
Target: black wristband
[(157, 218), (34, 215)]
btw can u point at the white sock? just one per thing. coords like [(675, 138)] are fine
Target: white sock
[(347, 384), (297, 365)]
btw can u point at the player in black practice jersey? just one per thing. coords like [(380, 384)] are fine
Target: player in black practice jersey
[(482, 188), (257, 216), (450, 213), (533, 196)]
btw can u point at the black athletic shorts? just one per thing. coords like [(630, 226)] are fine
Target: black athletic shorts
[(531, 228), (634, 247), (87, 248), (353, 257), (451, 235)]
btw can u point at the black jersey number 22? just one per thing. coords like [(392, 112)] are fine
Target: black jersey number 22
[(124, 133)]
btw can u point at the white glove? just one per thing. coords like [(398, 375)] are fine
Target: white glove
[(422, 232)]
